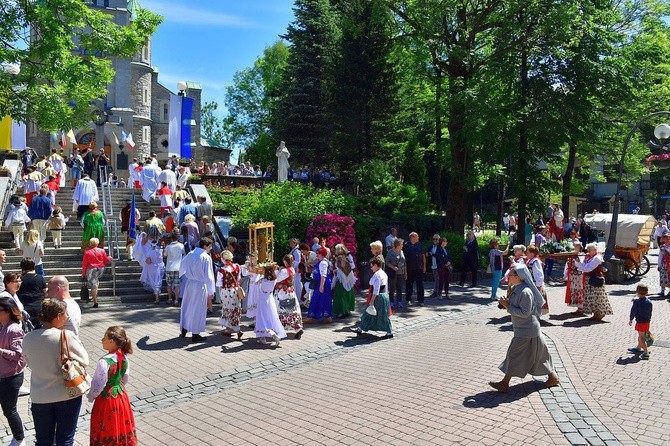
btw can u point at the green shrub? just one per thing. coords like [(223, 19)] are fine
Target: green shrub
[(368, 229), (290, 206)]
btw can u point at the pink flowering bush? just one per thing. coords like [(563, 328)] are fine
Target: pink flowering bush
[(336, 228), (650, 159)]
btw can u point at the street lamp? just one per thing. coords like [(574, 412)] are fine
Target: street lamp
[(181, 86), (662, 132)]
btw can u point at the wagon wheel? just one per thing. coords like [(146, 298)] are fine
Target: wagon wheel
[(631, 269), (644, 266)]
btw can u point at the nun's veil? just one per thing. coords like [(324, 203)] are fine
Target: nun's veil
[(526, 277)]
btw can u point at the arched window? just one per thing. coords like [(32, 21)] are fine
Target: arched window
[(165, 111)]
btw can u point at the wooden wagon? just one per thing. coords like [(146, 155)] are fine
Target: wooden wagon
[(633, 238)]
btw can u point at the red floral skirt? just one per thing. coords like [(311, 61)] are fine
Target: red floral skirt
[(112, 422)]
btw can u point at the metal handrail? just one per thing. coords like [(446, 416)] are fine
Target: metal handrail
[(111, 225), (12, 184)]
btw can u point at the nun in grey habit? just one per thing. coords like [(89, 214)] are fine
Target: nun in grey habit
[(527, 353)]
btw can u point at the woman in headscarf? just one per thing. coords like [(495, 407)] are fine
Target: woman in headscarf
[(527, 353), (344, 299), (595, 297)]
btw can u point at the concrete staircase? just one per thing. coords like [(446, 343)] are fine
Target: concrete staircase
[(67, 260)]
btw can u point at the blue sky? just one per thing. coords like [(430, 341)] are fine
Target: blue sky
[(207, 41)]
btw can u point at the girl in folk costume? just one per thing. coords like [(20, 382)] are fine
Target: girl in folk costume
[(112, 420), (268, 324), (664, 263), (380, 319), (288, 306), (519, 256), (321, 303), (536, 269), (574, 280), (344, 299), (595, 298), (227, 281)]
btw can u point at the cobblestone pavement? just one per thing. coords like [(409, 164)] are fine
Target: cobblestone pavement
[(425, 386)]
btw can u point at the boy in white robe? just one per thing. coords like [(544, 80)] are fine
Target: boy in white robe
[(197, 285), (84, 193), (150, 182)]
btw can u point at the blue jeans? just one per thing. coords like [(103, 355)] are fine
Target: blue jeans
[(495, 281), (549, 268), (39, 269), (60, 417), (9, 394)]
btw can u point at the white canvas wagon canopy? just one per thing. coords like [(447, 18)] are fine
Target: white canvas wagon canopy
[(633, 230)]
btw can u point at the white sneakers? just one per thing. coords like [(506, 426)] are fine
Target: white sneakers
[(23, 391)]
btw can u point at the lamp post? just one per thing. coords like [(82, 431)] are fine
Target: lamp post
[(181, 86), (662, 133)]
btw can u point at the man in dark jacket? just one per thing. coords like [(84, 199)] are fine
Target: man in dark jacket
[(40, 211), (415, 258)]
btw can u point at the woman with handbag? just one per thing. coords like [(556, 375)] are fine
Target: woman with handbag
[(288, 307), (344, 299), (112, 419), (93, 267), (595, 297), (55, 407), (228, 282), (12, 364), (377, 315)]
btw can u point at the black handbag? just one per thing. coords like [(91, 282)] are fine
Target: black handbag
[(596, 281), (83, 293)]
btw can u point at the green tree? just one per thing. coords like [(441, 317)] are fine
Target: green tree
[(64, 49), (222, 131), (365, 82), (304, 118), (252, 103)]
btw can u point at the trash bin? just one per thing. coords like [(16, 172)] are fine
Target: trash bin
[(614, 270)]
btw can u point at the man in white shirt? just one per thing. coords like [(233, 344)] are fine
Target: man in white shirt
[(84, 194), (150, 184), (59, 288), (173, 254), (169, 177)]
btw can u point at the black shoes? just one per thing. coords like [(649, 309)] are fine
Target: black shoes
[(198, 338), (183, 333)]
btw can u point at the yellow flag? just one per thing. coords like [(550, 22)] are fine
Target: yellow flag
[(70, 135), (116, 139), (6, 133)]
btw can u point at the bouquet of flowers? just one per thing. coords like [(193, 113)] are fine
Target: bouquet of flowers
[(554, 247)]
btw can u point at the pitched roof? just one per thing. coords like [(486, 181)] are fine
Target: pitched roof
[(212, 145), (133, 8)]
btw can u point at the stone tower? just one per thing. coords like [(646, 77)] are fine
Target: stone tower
[(135, 103)]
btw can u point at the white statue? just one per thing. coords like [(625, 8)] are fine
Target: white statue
[(283, 155)]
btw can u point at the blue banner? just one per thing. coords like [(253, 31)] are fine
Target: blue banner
[(186, 115)]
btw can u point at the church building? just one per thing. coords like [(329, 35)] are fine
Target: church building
[(136, 103)]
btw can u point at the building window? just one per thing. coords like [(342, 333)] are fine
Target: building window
[(165, 111), (146, 134), (146, 52), (32, 128), (146, 99)]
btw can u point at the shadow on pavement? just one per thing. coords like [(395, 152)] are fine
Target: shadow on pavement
[(629, 360), (564, 316), (168, 344), (499, 320), (361, 339), (492, 398), (586, 322), (630, 293)]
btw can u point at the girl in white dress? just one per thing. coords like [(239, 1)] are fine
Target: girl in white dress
[(268, 324), (155, 269)]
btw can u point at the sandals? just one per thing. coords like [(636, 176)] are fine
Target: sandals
[(552, 382)]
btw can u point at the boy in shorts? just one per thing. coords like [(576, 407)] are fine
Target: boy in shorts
[(641, 312)]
